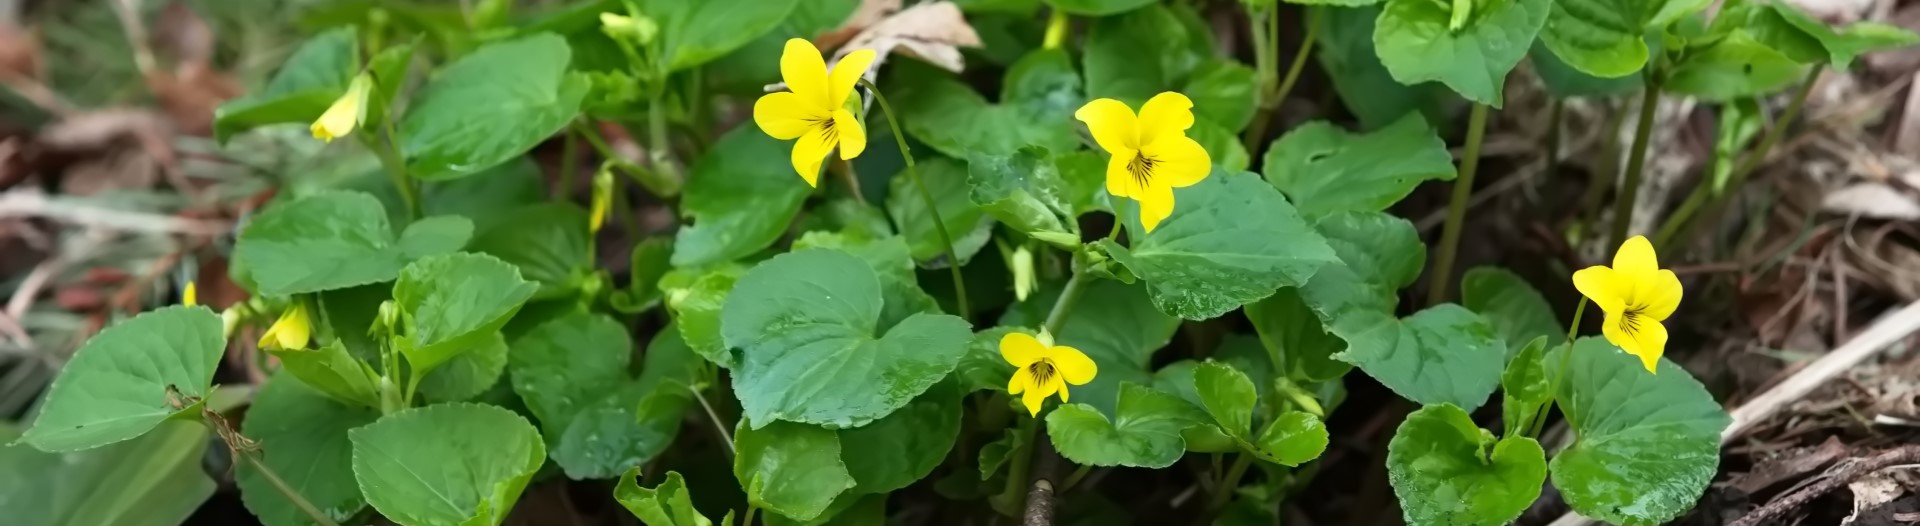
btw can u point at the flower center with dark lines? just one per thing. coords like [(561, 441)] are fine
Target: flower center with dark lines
[(1141, 168), (828, 132), (1042, 371), (1630, 320)]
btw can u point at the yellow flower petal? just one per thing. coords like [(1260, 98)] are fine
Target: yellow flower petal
[(853, 137), (190, 296), (1018, 382), (810, 151), (290, 331), (805, 73), (1063, 392), (1659, 295), (1178, 162), (1163, 117), (846, 74), (1035, 395), (1074, 366), (1120, 181), (1021, 349), (1156, 204), (1606, 288), (1112, 124), (784, 115), (1636, 257), (1640, 337), (346, 112)]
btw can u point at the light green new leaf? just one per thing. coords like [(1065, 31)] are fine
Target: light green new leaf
[(1446, 471), (155, 480), (788, 468), (1294, 438), (334, 240), (1023, 190), (129, 378), (696, 297), (309, 81), (1842, 46), (469, 373), (1563, 81), (1115, 324), (1445, 354), (893, 452), (1607, 38), (489, 107), (967, 225), (303, 437), (667, 504), (1040, 93), (1517, 313), (741, 195), (1324, 169), (447, 464), (333, 370), (454, 303), (1732, 67), (572, 373), (1648, 443), (693, 32), (1231, 241), (1145, 431), (1097, 7), (548, 241), (1422, 40), (821, 306), (1524, 386)]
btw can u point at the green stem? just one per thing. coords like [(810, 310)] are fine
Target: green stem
[(659, 154), (1070, 295), (1224, 492), (1266, 36), (1636, 160), (292, 495), (1299, 57), (1566, 358), (719, 426), (1457, 209), (1074, 479), (748, 520), (389, 153), (899, 137), (1706, 192), (655, 183), (1056, 29), (1015, 491)]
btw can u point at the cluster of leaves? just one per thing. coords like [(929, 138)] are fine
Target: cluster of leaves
[(464, 338)]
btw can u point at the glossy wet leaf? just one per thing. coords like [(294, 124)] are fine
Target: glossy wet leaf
[(740, 195), (155, 480), (446, 464), (306, 84), (1605, 38), (968, 225), (893, 452), (489, 107), (1292, 439), (1524, 386), (303, 438), (1447, 471), (1419, 41), (548, 241), (1517, 312), (789, 468), (1231, 240), (1116, 325), (454, 303), (1732, 67), (332, 370), (1646, 444), (572, 373), (815, 306), (696, 296), (1022, 190), (1324, 169), (952, 119), (129, 378), (1445, 354), (1229, 397), (468, 374), (692, 32), (1145, 431), (334, 240), (666, 504)]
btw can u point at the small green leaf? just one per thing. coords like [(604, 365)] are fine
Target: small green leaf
[(1838, 48), (789, 468), (1606, 38), (1422, 40), (741, 195), (1229, 397), (446, 464), (572, 372), (1732, 67), (1041, 93), (820, 306), (693, 33), (548, 241), (893, 452), (129, 378), (1145, 431), (1447, 471), (1648, 443), (1097, 7), (968, 226), (303, 436), (1294, 438), (1294, 337), (1231, 241), (996, 453), (1325, 169), (1221, 144), (1524, 387), (453, 303), (696, 298), (1740, 121), (1023, 190), (332, 240), (648, 261), (1517, 313), (314, 76), (333, 371), (469, 373), (667, 504), (489, 107), (1445, 354), (157, 479)]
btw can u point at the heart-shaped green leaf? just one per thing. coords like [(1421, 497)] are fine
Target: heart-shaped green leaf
[(1563, 81), (334, 371), (893, 452), (1471, 52), (454, 303), (490, 106), (1445, 354), (967, 225), (303, 434), (1606, 38), (548, 241), (129, 378), (1292, 439), (1228, 396), (788, 468), (1517, 313), (1447, 471), (1294, 338), (741, 195), (334, 240), (1325, 169), (1145, 431), (446, 464), (667, 504), (950, 117), (572, 372), (1023, 190), (309, 81), (696, 297), (1365, 87)]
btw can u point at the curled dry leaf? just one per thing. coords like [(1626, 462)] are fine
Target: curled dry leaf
[(933, 32), (869, 13), (19, 52)]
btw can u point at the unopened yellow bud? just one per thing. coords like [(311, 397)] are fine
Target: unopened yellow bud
[(291, 331), (602, 198), (190, 296), (347, 112)]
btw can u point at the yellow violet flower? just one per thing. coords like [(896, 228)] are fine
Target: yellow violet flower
[(1637, 295), (815, 110), (190, 296), (1043, 368), (1152, 154), (347, 112), (290, 332)]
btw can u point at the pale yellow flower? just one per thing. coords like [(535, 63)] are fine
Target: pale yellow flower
[(291, 331), (1151, 153), (814, 111), (347, 112), (1637, 295), (1042, 368)]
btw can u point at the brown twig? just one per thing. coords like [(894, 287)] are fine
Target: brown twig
[(1846, 474), (1039, 504)]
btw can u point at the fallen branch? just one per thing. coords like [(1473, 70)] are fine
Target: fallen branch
[(1847, 473), (1039, 504)]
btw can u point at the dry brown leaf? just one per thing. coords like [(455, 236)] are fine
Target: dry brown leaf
[(19, 52), (869, 12), (1872, 492), (1874, 200), (932, 31), (183, 36)]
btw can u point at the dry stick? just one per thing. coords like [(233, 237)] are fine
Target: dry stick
[(1890, 329), (1039, 504), (1852, 472)]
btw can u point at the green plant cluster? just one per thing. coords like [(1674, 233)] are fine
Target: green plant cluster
[(466, 341)]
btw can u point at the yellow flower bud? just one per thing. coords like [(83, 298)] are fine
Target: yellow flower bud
[(638, 29), (602, 198), (190, 296), (347, 112), (291, 331)]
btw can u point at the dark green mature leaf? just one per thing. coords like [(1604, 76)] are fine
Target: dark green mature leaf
[(314, 76), (1447, 471), (1517, 313), (454, 303), (1419, 40), (667, 504), (1223, 93), (1606, 38), (1648, 443), (548, 241), (694, 32), (468, 374), (696, 298), (1145, 430), (1097, 7), (1229, 397), (742, 195), (982, 367), (1023, 190), (154, 480), (1116, 325), (490, 107), (446, 464), (1294, 338), (1564, 81), (1222, 144), (1231, 241), (1135, 55), (968, 225), (1732, 67), (893, 452), (334, 240), (572, 372), (890, 261), (788, 468), (129, 378), (1362, 82), (333, 370), (1083, 177), (1041, 92), (816, 306), (1445, 354), (1325, 169), (1524, 386), (303, 434)]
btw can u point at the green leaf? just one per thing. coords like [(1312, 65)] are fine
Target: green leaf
[(154, 480), (303, 436), (1648, 443), (667, 504), (334, 240), (1363, 83), (1115, 324), (468, 374), (1023, 190), (819, 306), (1838, 48), (1294, 337), (1041, 93), (648, 261), (1222, 92), (891, 263), (696, 298), (548, 241), (1228, 396), (741, 195), (982, 367), (1563, 81), (1524, 387), (1422, 40), (1097, 7), (309, 81), (1740, 121), (893, 452), (453, 303), (1145, 431), (1732, 67), (968, 226), (489, 107), (572, 373), (1231, 241), (451, 464), (129, 378), (1445, 354), (1083, 177), (1606, 38), (996, 453), (1222, 144), (1517, 313), (1294, 438), (1447, 471), (788, 468), (692, 33), (333, 371), (1325, 169), (1138, 54)]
